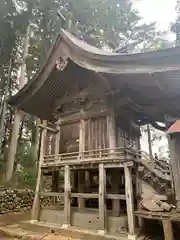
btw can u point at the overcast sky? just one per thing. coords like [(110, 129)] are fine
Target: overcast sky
[(161, 11)]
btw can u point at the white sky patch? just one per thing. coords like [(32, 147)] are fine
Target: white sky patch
[(163, 12)]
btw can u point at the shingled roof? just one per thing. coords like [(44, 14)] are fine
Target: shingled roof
[(175, 127), (150, 79)]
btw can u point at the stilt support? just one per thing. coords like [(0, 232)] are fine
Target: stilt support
[(129, 202), (36, 202), (67, 201), (102, 201), (168, 231)]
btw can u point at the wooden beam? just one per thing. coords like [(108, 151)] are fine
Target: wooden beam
[(102, 201), (36, 202), (116, 196), (51, 194), (167, 228), (85, 195), (129, 202), (67, 201), (48, 128)]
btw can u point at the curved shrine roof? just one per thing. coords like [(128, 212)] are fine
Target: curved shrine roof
[(150, 80)]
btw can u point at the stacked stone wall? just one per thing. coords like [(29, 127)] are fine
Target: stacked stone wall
[(17, 200)]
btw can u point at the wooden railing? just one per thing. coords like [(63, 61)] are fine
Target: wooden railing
[(106, 155), (93, 156)]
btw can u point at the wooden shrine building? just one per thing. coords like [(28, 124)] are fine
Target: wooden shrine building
[(92, 103)]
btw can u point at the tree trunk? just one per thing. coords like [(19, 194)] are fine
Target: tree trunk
[(17, 116)]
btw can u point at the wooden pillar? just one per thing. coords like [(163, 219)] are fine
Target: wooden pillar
[(174, 144), (167, 228), (81, 184), (115, 179), (36, 202), (111, 131), (102, 200), (81, 138), (112, 145), (81, 173), (67, 201), (129, 202)]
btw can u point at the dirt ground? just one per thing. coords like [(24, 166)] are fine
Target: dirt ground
[(12, 223)]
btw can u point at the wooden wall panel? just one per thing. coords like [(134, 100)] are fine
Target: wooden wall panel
[(96, 134)]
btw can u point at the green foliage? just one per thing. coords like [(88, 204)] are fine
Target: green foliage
[(175, 27), (113, 23)]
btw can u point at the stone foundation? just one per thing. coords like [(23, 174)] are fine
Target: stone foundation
[(17, 200)]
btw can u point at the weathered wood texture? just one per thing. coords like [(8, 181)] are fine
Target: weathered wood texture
[(102, 194), (168, 231), (81, 138), (96, 134), (36, 203), (174, 142), (67, 201), (129, 200), (111, 131)]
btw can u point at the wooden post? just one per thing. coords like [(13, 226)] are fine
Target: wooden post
[(112, 145), (102, 200), (174, 141), (111, 131), (67, 201), (36, 203), (129, 202), (168, 231), (81, 173), (81, 183), (81, 138)]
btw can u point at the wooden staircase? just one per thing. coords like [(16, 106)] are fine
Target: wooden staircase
[(156, 174)]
